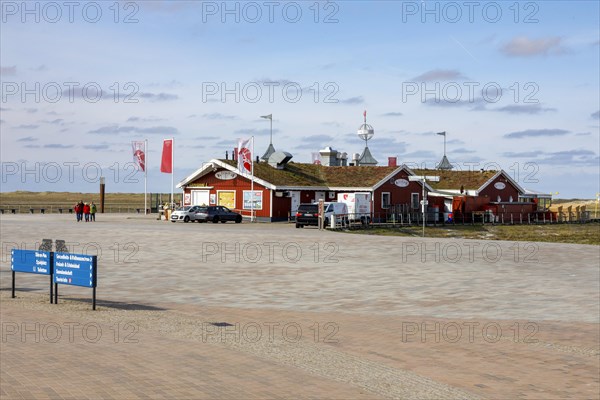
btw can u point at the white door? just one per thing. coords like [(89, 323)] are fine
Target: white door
[(295, 196), (200, 197), (319, 196)]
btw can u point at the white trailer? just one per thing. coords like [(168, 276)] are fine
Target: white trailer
[(359, 205)]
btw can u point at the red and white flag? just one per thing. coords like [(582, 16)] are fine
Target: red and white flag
[(244, 156), (139, 154), (166, 163)]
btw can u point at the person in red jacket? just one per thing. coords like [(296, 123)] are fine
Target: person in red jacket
[(76, 209), (86, 212)]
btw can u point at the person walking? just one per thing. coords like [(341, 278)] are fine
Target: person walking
[(80, 210), (76, 209), (167, 212), (93, 210), (86, 211)]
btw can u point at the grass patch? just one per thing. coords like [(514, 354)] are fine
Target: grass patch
[(25, 198), (558, 233)]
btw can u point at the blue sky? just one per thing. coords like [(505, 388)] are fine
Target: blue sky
[(417, 68)]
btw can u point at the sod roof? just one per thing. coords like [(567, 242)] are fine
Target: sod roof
[(299, 174), (453, 180)]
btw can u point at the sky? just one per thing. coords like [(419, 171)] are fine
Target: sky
[(514, 84)]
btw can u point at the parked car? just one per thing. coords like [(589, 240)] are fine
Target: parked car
[(307, 214), (216, 214), (185, 214), (339, 209)]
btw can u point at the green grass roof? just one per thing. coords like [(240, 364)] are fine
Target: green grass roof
[(299, 174), (471, 180)]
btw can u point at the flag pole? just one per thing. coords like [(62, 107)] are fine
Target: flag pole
[(145, 176), (252, 183), (444, 135), (172, 168)]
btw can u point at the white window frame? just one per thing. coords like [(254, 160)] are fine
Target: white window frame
[(389, 204), (234, 198), (250, 192), (192, 191), (413, 205)]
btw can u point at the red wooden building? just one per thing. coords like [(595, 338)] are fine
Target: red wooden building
[(279, 191)]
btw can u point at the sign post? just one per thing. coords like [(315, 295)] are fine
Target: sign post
[(321, 209), (32, 262), (424, 202), (75, 270)]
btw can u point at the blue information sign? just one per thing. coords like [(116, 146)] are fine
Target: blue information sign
[(75, 269), (31, 261)]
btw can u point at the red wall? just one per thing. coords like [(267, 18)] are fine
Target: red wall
[(398, 195), (281, 207), (239, 184), (504, 194)]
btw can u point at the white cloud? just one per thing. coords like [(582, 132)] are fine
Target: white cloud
[(522, 46), (8, 71), (536, 133), (440, 75), (525, 109), (116, 130)]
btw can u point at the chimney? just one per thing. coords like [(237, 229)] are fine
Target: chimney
[(344, 159), (355, 158), (234, 154), (392, 161), (328, 157), (226, 155)]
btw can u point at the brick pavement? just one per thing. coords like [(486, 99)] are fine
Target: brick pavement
[(368, 328), (43, 365)]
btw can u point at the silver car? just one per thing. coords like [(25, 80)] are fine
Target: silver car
[(185, 214)]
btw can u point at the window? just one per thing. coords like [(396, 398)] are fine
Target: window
[(385, 200), (226, 198), (415, 201), (248, 200)]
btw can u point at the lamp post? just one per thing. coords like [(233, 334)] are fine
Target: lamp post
[(423, 179)]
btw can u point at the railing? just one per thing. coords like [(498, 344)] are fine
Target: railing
[(62, 208), (434, 218)]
